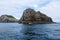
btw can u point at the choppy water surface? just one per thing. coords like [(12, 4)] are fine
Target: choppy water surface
[(15, 31)]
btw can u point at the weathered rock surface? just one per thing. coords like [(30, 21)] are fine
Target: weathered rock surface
[(31, 16), (7, 19)]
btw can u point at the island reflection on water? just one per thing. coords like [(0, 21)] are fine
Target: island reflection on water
[(15, 31)]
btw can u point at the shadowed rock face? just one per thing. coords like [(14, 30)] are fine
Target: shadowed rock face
[(31, 16), (7, 18)]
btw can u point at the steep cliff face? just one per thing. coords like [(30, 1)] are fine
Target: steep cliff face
[(7, 18), (31, 16)]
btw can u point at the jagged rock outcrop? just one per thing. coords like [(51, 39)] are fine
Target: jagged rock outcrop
[(7, 19), (31, 16)]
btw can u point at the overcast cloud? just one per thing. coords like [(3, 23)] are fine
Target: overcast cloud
[(16, 7)]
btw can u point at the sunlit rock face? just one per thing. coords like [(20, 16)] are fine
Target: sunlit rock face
[(8, 18), (31, 16)]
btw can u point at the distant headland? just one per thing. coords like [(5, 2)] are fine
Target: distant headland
[(30, 16), (7, 19)]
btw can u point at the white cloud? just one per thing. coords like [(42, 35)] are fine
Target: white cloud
[(23, 2), (52, 10), (15, 7)]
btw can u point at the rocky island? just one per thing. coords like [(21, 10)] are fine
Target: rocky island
[(7, 19), (31, 16)]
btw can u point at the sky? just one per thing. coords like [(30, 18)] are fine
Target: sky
[(16, 7)]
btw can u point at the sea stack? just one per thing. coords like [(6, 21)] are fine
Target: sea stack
[(31, 16)]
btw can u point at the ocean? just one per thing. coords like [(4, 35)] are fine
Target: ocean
[(15, 31)]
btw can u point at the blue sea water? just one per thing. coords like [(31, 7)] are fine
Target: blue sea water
[(15, 31)]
